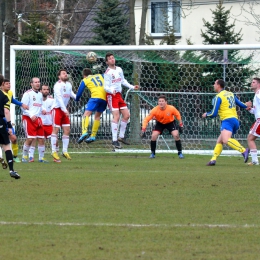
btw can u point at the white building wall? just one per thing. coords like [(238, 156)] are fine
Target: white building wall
[(192, 24)]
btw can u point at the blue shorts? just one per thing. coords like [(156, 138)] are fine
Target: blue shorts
[(96, 104), (230, 124)]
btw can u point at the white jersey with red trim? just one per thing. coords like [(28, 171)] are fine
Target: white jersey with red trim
[(114, 79), (34, 101), (47, 106), (256, 105), (62, 94)]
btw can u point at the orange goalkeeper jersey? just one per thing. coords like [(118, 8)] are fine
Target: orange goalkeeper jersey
[(163, 116)]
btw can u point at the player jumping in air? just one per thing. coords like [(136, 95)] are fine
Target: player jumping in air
[(97, 102)]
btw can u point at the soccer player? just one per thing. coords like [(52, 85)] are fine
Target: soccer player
[(254, 132), (97, 102), (4, 138), (6, 90), (224, 105), (32, 122), (2, 161), (114, 79), (46, 117), (62, 94), (164, 115)]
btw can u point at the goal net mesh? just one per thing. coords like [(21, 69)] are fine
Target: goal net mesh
[(186, 78)]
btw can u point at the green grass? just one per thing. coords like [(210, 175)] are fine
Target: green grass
[(121, 206)]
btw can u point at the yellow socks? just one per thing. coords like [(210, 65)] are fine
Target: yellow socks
[(15, 149), (85, 122), (234, 144), (95, 127), (217, 151)]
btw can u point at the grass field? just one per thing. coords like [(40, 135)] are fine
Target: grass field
[(123, 206)]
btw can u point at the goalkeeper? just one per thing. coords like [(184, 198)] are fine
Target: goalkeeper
[(164, 115)]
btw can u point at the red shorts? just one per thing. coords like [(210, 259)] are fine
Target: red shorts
[(115, 102), (33, 129), (60, 118), (47, 130), (255, 128)]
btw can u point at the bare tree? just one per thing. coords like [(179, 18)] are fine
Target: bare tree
[(61, 17), (132, 21), (143, 22), (59, 21), (252, 17)]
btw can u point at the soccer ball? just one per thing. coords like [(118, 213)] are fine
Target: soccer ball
[(91, 57)]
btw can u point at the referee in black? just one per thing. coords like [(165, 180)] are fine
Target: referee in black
[(4, 137)]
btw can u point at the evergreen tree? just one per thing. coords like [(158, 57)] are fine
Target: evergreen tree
[(112, 27), (233, 68), (34, 33)]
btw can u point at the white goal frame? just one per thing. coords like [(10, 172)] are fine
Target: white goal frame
[(14, 48)]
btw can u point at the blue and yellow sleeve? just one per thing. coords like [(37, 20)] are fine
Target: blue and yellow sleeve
[(80, 90), (239, 103), (216, 105)]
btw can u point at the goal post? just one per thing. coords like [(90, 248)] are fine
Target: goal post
[(185, 74)]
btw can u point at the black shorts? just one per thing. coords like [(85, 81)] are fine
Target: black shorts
[(159, 127), (4, 137)]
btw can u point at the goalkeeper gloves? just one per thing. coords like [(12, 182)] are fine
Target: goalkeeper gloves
[(181, 128)]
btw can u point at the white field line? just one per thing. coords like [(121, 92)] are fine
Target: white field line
[(196, 152), (130, 225)]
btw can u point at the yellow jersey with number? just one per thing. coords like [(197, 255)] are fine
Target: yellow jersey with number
[(95, 84), (227, 108)]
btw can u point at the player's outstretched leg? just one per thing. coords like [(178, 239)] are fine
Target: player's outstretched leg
[(95, 128), (90, 139), (82, 138), (217, 151), (234, 144), (245, 154)]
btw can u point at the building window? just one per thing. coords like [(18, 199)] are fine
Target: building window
[(161, 10)]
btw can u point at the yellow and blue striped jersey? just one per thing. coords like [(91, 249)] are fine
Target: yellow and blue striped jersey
[(224, 105), (95, 84)]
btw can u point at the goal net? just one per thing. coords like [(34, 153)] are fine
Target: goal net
[(184, 74)]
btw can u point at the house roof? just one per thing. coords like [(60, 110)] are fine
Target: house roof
[(85, 31)]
